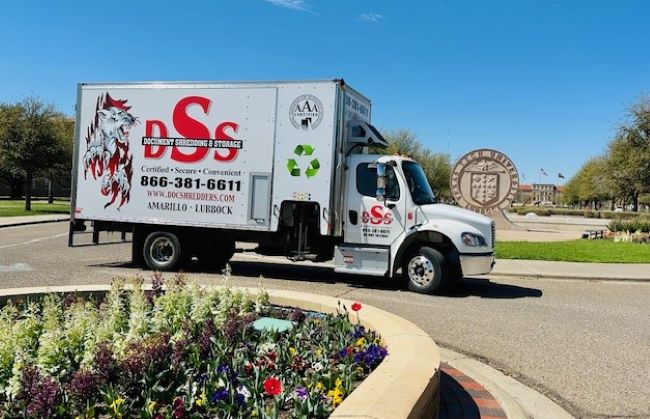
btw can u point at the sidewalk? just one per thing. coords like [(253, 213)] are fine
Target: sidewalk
[(32, 219), (572, 270)]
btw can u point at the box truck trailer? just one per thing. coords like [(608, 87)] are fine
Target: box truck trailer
[(192, 168)]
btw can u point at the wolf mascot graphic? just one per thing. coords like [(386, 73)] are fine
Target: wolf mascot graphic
[(107, 153)]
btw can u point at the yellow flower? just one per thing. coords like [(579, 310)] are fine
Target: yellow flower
[(115, 406), (319, 387), (292, 351), (360, 342), (202, 400), (338, 383), (336, 395), (319, 352), (358, 370), (151, 406)]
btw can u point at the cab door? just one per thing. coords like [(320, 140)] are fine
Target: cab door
[(369, 221), (371, 225)]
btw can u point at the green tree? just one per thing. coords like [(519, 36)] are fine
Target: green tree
[(592, 184), (30, 140), (437, 166), (629, 154)]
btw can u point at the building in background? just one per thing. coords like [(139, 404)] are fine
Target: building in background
[(539, 194), (547, 194)]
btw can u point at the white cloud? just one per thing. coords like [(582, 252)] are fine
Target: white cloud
[(299, 5), (371, 17)]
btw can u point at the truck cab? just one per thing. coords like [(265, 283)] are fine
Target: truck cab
[(393, 222)]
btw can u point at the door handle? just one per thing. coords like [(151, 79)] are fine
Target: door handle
[(354, 217)]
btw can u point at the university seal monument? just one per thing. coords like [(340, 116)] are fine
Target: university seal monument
[(486, 181)]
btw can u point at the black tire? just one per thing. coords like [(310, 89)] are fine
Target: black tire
[(217, 255), (162, 251), (424, 271)]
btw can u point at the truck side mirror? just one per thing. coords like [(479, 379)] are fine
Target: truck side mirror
[(381, 182)]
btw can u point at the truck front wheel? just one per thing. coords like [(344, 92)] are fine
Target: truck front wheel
[(162, 251), (424, 270)]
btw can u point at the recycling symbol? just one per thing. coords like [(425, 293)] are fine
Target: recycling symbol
[(303, 150)]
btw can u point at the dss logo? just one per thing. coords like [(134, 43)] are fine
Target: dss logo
[(377, 216), (306, 112)]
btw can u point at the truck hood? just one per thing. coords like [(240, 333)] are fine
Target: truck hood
[(434, 212)]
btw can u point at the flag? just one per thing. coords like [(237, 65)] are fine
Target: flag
[(560, 175), (543, 172)]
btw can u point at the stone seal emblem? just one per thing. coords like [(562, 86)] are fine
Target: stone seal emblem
[(484, 181)]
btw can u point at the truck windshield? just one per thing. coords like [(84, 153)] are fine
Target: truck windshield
[(418, 185)]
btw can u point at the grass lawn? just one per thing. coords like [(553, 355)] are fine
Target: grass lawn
[(604, 251), (16, 208)]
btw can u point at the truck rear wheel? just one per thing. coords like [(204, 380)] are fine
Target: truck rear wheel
[(162, 251), (424, 271)]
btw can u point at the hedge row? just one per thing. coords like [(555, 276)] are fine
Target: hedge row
[(546, 212), (632, 226)]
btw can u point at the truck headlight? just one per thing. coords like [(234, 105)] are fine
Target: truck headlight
[(472, 240)]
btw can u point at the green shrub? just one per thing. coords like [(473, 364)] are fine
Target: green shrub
[(639, 224)]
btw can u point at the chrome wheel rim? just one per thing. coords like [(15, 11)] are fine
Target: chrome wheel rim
[(420, 270), (162, 251)]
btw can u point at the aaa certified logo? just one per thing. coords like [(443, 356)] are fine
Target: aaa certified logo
[(484, 181), (306, 112)]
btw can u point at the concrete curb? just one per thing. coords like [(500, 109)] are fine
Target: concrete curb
[(517, 400), (570, 277), (405, 385), (24, 223)]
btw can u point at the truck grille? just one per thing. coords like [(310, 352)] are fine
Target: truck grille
[(494, 234)]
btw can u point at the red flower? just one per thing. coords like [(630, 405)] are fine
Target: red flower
[(272, 386), (356, 306)]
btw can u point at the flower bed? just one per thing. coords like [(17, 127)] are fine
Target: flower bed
[(185, 351)]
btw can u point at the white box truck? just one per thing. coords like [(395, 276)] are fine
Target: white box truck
[(191, 168)]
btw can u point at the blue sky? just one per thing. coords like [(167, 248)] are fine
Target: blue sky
[(545, 81)]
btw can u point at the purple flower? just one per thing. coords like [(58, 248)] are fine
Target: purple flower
[(83, 386), (297, 315), (104, 362), (178, 352), (359, 331), (240, 399), (359, 357), (205, 337), (301, 392), (220, 395), (40, 394), (202, 379), (223, 369)]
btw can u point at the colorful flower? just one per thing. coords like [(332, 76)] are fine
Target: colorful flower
[(116, 407), (272, 386), (220, 395), (356, 306), (202, 400), (243, 394), (301, 392), (336, 396), (223, 369), (179, 408)]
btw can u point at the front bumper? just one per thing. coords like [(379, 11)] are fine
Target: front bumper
[(476, 264)]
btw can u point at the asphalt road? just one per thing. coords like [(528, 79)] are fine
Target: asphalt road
[(585, 344)]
